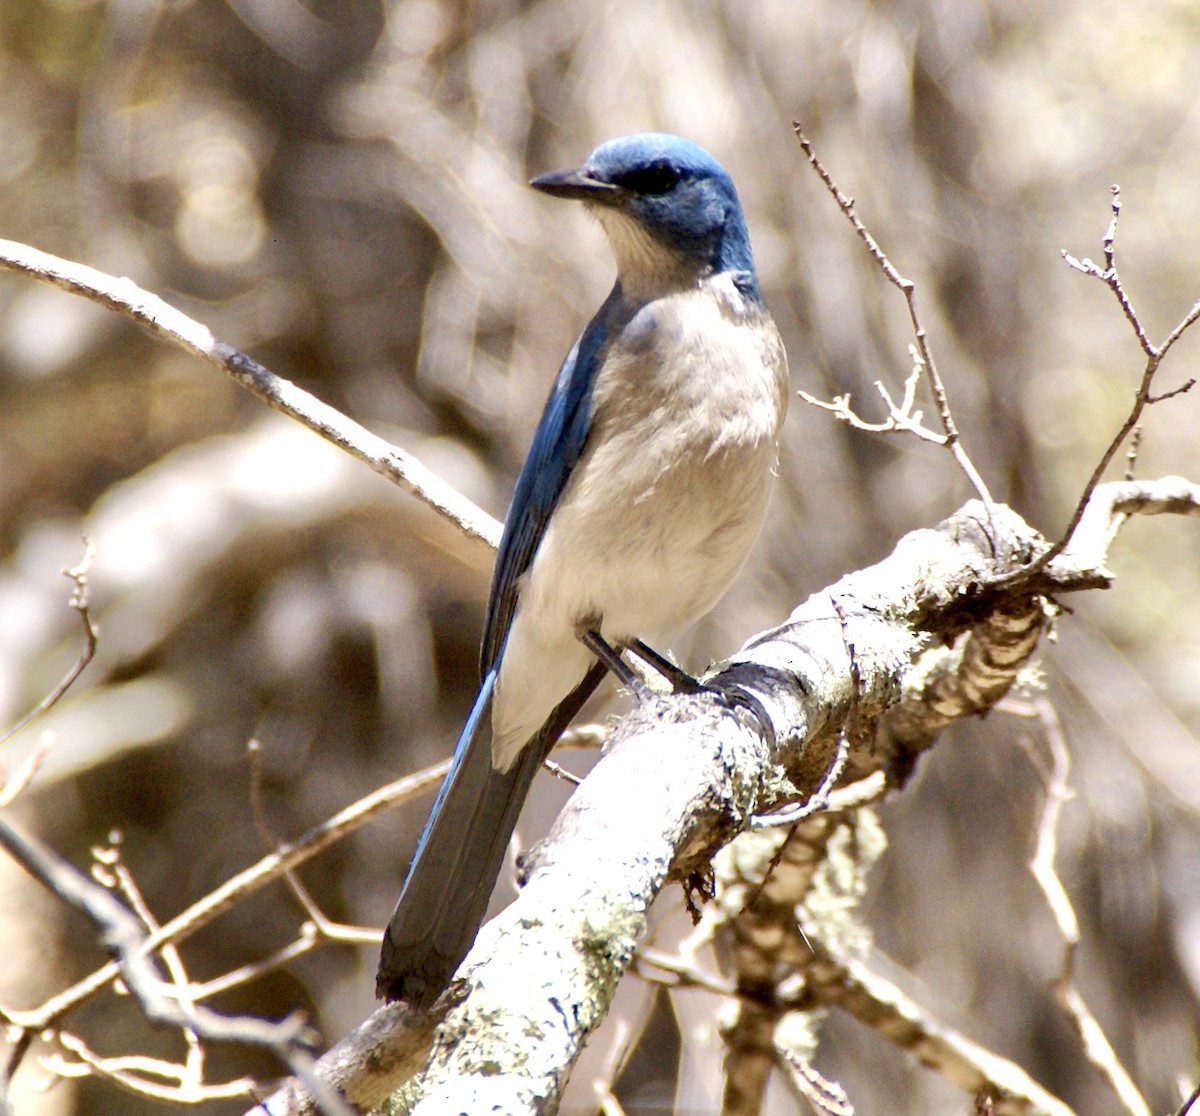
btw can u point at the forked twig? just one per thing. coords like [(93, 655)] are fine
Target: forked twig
[(124, 935), (901, 418), (1154, 357), (139, 1074), (222, 898), (319, 926)]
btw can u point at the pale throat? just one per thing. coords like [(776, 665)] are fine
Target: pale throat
[(646, 267)]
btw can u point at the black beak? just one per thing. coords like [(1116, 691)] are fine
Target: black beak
[(579, 185)]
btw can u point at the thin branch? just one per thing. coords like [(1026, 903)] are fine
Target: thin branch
[(308, 939), (1154, 357), (124, 935), (815, 802), (322, 927), (1185, 323), (1131, 454), (902, 418), (823, 1095), (79, 601), (163, 320), (879, 1004), (140, 1074), (1182, 389), (113, 874), (854, 733), (676, 972), (924, 354), (560, 772), (1096, 1046), (19, 780), (245, 883), (609, 1105)]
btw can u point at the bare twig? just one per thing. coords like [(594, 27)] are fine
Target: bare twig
[(307, 940), (1131, 455), (902, 418), (818, 800), (204, 910), (19, 780), (320, 927), (124, 935), (878, 1003), (1096, 1046), (113, 874), (560, 772), (609, 1105), (140, 1074), (676, 972), (79, 601), (852, 734), (1154, 357), (126, 298)]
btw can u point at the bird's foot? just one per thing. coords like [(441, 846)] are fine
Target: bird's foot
[(737, 697), (730, 695)]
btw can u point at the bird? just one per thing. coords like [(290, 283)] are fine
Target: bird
[(643, 491)]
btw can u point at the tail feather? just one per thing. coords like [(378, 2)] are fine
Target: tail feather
[(460, 853)]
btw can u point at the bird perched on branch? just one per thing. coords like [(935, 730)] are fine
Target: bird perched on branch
[(643, 491)]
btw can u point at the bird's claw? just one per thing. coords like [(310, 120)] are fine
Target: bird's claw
[(735, 697)]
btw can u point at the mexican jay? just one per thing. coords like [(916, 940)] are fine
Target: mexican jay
[(643, 491)]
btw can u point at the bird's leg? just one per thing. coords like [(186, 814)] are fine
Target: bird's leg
[(611, 658), (733, 697), (683, 683)]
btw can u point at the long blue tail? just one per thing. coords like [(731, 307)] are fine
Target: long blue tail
[(455, 866), (461, 850)]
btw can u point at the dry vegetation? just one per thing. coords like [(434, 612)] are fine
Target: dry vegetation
[(338, 190)]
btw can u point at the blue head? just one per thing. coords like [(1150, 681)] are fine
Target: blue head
[(667, 192)]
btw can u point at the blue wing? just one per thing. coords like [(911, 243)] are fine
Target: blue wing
[(556, 447)]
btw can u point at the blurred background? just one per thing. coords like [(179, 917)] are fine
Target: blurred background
[(338, 189)]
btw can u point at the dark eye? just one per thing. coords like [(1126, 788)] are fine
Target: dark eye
[(657, 178)]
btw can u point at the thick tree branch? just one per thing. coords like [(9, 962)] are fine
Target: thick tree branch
[(933, 639)]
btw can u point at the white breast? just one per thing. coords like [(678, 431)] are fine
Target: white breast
[(665, 502)]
